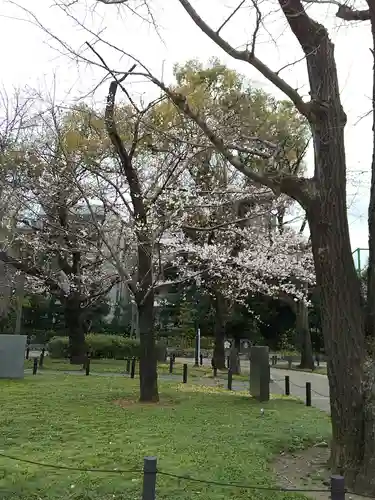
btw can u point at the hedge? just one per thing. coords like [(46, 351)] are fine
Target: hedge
[(183, 342), (103, 346), (189, 353)]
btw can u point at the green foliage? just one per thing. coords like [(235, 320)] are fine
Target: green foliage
[(287, 342), (100, 346), (43, 318)]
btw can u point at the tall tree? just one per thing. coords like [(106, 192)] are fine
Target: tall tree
[(51, 239), (324, 199), (131, 186)]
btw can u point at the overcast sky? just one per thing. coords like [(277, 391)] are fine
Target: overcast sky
[(31, 57)]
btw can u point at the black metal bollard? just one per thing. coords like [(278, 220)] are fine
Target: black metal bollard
[(308, 393), (337, 488), (132, 372), (149, 478), (128, 365), (230, 379), (228, 362), (41, 360), (87, 364), (27, 352), (317, 359), (171, 364), (215, 371), (174, 357), (287, 385), (35, 366), (201, 359), (184, 374)]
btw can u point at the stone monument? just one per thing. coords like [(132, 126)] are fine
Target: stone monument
[(260, 373), (12, 355)]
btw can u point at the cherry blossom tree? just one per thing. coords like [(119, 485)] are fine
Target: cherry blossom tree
[(240, 255), (51, 239)]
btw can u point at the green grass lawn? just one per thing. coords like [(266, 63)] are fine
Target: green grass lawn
[(119, 366), (196, 431)]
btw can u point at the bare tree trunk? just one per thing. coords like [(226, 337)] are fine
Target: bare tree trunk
[(6, 278), (337, 281), (370, 306), (220, 313), (76, 332), (144, 293), (342, 325), (234, 361), (20, 295), (145, 303), (304, 336)]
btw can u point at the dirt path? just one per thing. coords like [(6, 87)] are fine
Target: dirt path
[(307, 469)]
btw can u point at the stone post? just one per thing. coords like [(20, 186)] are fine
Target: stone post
[(260, 373)]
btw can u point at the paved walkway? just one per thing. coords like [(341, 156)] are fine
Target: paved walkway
[(319, 386), (319, 383), (297, 379)]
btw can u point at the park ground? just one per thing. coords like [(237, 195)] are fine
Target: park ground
[(198, 431), (204, 375)]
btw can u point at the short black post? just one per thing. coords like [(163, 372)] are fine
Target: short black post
[(228, 362), (171, 364), (149, 478), (132, 372), (127, 365), (308, 393), (287, 385), (230, 379), (35, 366), (184, 374), (41, 361), (174, 357), (317, 359), (27, 352), (87, 364), (337, 488), (215, 371), (201, 359)]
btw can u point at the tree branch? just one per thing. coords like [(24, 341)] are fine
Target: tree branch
[(130, 172), (230, 17), (246, 56), (344, 11), (298, 188), (219, 226), (31, 271)]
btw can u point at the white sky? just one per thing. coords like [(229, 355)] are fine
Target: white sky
[(31, 57)]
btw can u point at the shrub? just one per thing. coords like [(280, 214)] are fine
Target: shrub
[(102, 346), (186, 342), (189, 353), (58, 347)]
